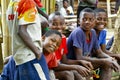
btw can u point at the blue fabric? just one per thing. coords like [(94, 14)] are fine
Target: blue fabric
[(27, 70), (77, 39), (102, 37), (109, 43), (8, 70)]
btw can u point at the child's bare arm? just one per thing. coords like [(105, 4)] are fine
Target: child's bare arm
[(28, 41), (42, 13), (80, 69), (84, 63)]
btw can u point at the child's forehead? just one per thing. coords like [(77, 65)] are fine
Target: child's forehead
[(101, 13), (58, 18), (53, 35), (87, 14)]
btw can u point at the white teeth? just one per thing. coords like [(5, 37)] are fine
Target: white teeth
[(101, 26)]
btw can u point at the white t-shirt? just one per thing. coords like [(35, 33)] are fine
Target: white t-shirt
[(30, 17), (63, 11)]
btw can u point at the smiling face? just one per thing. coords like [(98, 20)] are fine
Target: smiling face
[(51, 43), (87, 21), (101, 20), (57, 23)]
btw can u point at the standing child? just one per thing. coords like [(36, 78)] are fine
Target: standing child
[(101, 23), (83, 41), (24, 22), (51, 40), (63, 70)]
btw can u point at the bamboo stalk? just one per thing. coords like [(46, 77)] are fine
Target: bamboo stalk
[(5, 45), (52, 6), (1, 40)]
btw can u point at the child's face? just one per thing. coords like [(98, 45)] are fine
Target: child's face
[(56, 7), (101, 20), (87, 21), (65, 4), (51, 43), (57, 23)]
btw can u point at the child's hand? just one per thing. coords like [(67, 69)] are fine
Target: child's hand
[(112, 63), (82, 70), (86, 64), (38, 56), (117, 57), (68, 12)]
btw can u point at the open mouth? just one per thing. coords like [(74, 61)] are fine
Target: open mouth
[(101, 26), (52, 49)]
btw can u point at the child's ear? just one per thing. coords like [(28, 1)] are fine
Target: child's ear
[(43, 38)]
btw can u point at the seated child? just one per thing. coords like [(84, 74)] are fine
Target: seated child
[(56, 22), (101, 23), (51, 40), (83, 41)]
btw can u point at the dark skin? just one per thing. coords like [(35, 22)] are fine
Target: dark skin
[(22, 32), (104, 61), (58, 24), (65, 5), (101, 22), (42, 13)]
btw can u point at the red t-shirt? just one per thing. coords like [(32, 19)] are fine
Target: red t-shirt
[(62, 49), (51, 60)]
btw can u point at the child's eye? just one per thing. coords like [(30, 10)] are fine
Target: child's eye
[(84, 19), (100, 19), (54, 24), (61, 23), (91, 19), (53, 40)]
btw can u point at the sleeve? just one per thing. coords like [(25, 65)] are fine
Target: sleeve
[(53, 62), (95, 41), (27, 13), (103, 38), (65, 45), (77, 39)]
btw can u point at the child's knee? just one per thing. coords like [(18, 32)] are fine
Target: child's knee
[(69, 73)]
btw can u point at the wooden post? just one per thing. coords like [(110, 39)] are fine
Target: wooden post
[(109, 12), (49, 5), (1, 40), (5, 45), (110, 16)]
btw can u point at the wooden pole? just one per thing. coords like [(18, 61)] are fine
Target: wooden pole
[(49, 5), (1, 40), (5, 45)]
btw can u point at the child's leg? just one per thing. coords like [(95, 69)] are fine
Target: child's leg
[(78, 76), (52, 75), (105, 70), (64, 75)]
